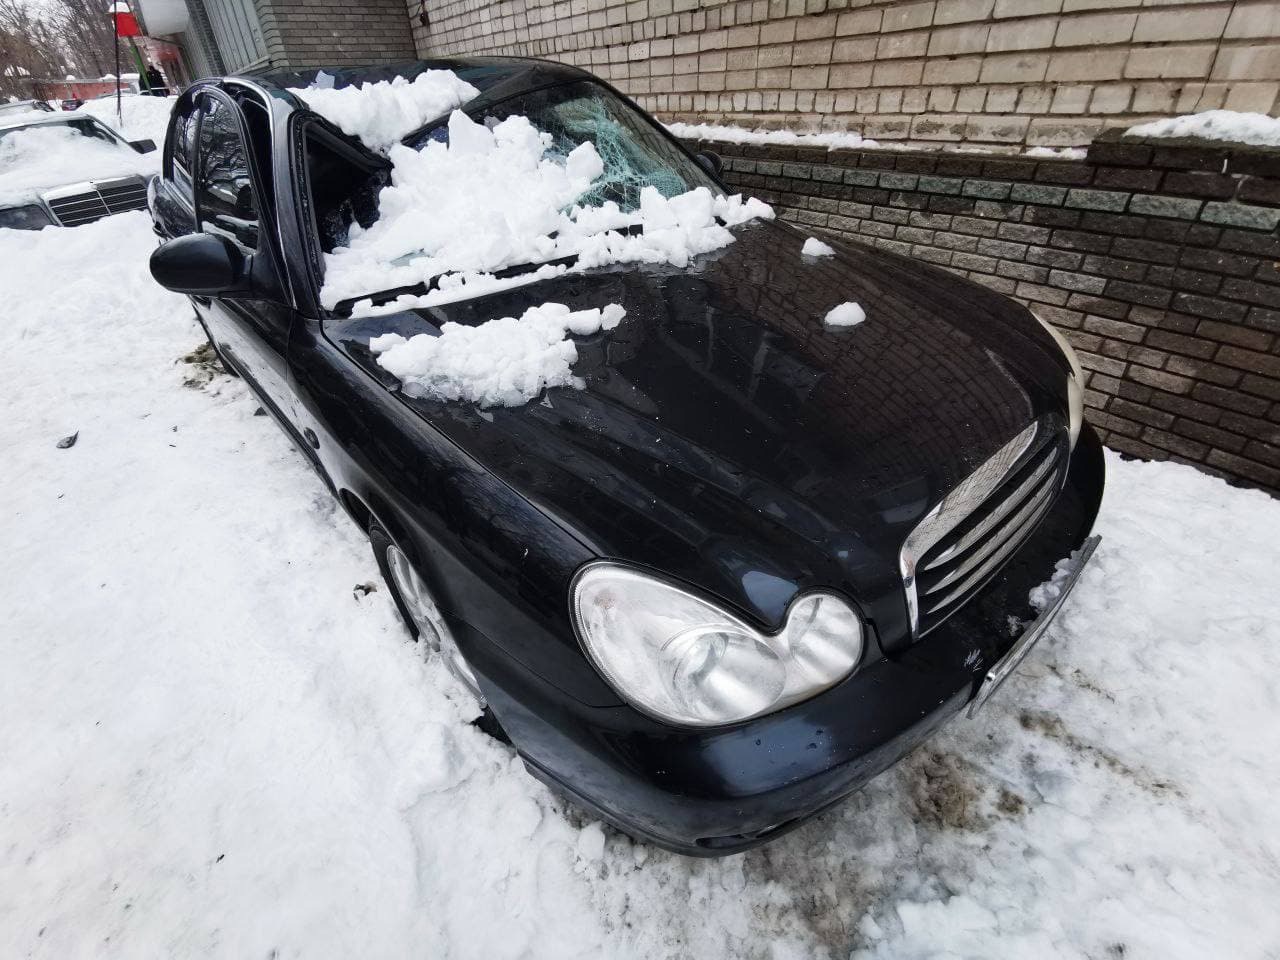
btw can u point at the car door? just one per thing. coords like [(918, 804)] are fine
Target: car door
[(229, 191)]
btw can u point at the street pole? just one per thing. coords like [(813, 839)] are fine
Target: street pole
[(115, 36)]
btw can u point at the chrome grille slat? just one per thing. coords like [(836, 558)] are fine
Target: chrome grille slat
[(1010, 545), (990, 522), (993, 543), (978, 525), (100, 200)]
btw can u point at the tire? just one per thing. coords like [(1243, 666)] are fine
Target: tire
[(422, 618)]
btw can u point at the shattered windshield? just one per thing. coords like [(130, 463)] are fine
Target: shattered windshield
[(515, 191), (636, 154)]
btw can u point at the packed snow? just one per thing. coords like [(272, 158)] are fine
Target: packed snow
[(219, 741), (813, 247), (493, 198), (501, 362), (50, 155), (842, 140), (728, 133), (847, 314), (1252, 128), (144, 118), (382, 113)]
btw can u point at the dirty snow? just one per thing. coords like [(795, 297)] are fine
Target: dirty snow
[(382, 113), (493, 198), (845, 314), (501, 362), (1254, 128), (213, 746), (813, 247)]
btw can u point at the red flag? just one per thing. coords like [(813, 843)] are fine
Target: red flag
[(126, 22)]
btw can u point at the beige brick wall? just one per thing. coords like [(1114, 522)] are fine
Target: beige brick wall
[(1004, 73)]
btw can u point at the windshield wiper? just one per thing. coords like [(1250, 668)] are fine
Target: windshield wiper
[(343, 308)]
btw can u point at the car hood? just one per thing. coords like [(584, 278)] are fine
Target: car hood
[(724, 436)]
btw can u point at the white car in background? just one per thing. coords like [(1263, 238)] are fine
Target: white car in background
[(65, 170)]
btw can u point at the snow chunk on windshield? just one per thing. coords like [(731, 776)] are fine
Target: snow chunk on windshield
[(503, 362), (498, 196), (1253, 128), (41, 157), (847, 314), (381, 113), (813, 247)]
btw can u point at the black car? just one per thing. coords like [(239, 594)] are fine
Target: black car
[(749, 563)]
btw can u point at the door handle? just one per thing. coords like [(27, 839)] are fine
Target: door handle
[(311, 437)]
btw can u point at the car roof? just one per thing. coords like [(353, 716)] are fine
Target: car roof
[(36, 118)]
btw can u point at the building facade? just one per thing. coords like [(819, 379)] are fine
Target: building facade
[(996, 73)]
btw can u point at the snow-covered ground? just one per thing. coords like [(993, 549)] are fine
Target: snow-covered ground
[(215, 742)]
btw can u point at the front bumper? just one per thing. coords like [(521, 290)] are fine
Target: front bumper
[(720, 791)]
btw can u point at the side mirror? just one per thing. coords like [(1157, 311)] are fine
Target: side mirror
[(202, 265), (143, 146), (710, 161)]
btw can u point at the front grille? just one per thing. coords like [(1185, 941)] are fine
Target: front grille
[(963, 542), (101, 200)]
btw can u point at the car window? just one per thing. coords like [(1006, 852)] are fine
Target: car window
[(225, 200), (183, 141)]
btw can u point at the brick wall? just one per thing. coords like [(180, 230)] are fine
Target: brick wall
[(316, 33), (1160, 260), (999, 72)]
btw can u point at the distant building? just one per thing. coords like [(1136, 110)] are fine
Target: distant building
[(241, 36)]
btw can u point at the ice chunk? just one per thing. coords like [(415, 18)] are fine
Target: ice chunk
[(813, 247), (382, 113), (847, 314), (502, 362)]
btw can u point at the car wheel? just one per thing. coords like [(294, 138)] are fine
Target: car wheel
[(421, 615)]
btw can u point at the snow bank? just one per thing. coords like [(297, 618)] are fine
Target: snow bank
[(493, 198), (726, 133), (201, 758), (382, 113), (1253, 128), (847, 314), (840, 140), (145, 118), (42, 157), (503, 362), (813, 247)]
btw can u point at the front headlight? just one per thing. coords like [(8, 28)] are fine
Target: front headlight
[(1075, 382), (29, 217), (681, 658)]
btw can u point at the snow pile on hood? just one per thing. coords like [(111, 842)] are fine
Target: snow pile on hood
[(847, 314), (504, 362), (1253, 128), (381, 113), (53, 155), (145, 118), (493, 198), (813, 247)]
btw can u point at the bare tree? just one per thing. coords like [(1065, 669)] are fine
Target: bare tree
[(87, 34), (30, 48)]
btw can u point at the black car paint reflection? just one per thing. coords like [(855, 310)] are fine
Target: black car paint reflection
[(723, 438)]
